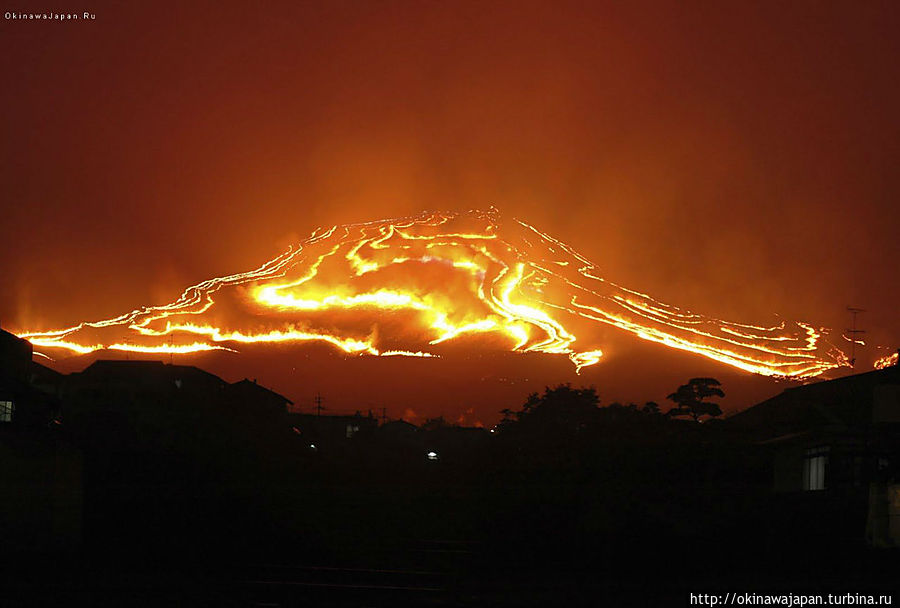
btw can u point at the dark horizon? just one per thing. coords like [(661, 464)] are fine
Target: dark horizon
[(508, 379)]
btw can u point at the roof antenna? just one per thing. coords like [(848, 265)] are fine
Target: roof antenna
[(854, 333), (319, 407)]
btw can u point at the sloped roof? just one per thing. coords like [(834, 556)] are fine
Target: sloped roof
[(8, 339), (145, 372), (845, 401), (44, 372), (399, 424), (252, 386)]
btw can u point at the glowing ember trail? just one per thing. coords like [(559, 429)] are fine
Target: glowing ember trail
[(403, 287), (887, 361)]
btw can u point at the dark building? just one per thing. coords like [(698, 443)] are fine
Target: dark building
[(15, 355), (128, 382), (41, 492), (137, 404), (399, 429), (331, 431), (150, 404), (833, 449), (246, 398), (28, 391), (173, 447)]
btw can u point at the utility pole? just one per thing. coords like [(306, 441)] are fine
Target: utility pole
[(383, 415), (853, 332), (319, 407)]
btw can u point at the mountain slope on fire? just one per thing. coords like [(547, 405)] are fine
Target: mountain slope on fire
[(404, 287)]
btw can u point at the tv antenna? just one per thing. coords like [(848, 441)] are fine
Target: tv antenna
[(319, 407), (853, 332)]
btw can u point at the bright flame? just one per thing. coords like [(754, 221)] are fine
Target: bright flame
[(376, 288), (886, 361)]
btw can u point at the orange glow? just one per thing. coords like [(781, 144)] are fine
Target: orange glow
[(886, 361), (404, 287)]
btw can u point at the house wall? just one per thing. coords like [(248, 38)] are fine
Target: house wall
[(788, 469), (15, 355), (886, 406), (893, 493), (883, 521)]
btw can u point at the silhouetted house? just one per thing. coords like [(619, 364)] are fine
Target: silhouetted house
[(41, 489), (169, 446), (46, 380), (150, 404), (15, 355), (398, 429), (330, 431), (834, 452), (132, 381), (249, 398), (28, 395), (139, 404)]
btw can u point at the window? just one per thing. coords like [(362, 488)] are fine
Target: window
[(814, 466), (6, 411), (352, 429)]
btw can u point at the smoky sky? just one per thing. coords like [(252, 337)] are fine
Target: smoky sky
[(738, 159)]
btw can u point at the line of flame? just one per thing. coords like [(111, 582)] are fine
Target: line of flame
[(501, 287), (887, 361)]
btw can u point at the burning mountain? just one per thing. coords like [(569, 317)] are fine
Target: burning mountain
[(404, 287)]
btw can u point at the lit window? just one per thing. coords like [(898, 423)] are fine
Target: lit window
[(814, 465), (352, 429), (6, 411)]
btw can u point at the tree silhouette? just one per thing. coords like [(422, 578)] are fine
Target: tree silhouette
[(651, 407), (561, 409), (690, 399)]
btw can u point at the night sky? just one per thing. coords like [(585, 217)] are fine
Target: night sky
[(737, 159)]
